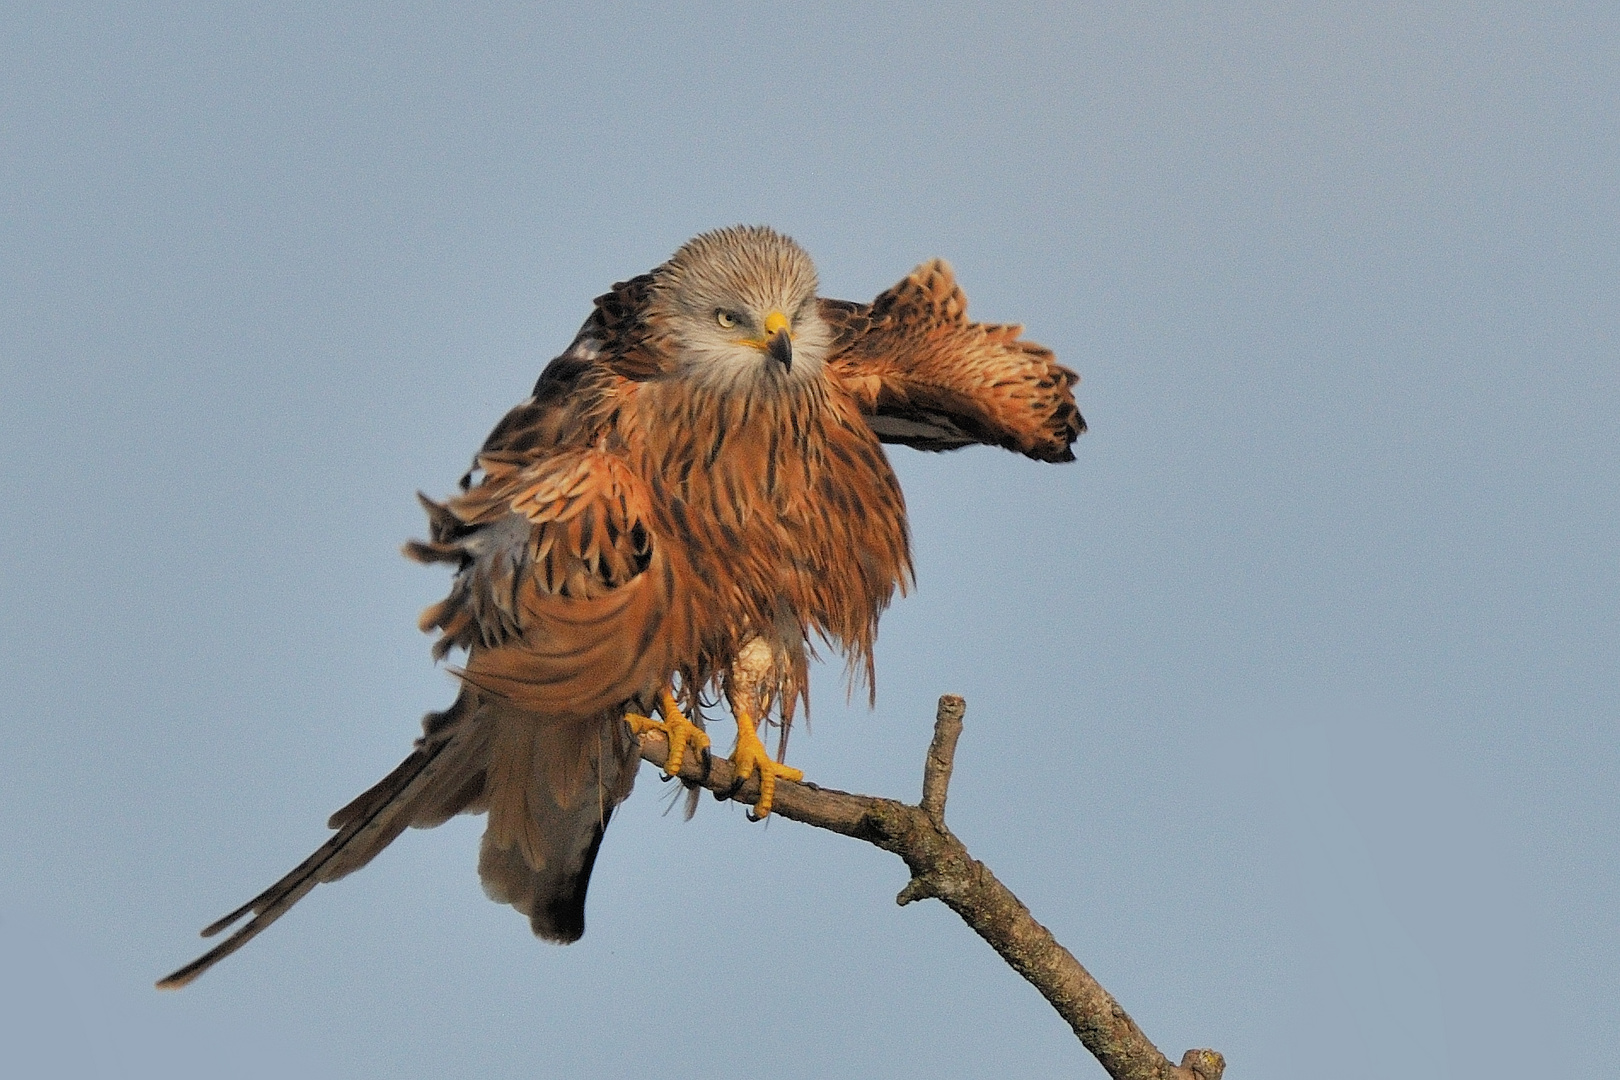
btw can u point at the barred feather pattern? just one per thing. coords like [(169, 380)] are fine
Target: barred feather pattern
[(926, 377)]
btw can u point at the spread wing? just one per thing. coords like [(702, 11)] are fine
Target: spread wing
[(562, 596), (926, 377)]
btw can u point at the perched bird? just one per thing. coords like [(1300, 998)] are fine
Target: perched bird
[(694, 489)]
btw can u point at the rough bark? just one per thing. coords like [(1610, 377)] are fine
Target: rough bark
[(941, 868)]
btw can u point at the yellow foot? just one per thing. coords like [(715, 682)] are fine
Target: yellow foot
[(680, 731), (750, 757)]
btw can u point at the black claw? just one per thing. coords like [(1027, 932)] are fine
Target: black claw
[(708, 763), (749, 814), (666, 778)]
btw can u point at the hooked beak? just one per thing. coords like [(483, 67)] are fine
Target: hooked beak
[(781, 349), (780, 343)]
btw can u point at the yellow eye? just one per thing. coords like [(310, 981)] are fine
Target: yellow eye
[(725, 318)]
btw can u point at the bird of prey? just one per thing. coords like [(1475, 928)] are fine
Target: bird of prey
[(695, 487)]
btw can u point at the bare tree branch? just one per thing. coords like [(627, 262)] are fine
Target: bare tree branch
[(942, 868)]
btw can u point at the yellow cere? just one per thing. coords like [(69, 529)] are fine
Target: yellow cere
[(775, 321)]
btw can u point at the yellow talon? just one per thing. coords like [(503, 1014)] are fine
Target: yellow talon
[(675, 727), (750, 757)]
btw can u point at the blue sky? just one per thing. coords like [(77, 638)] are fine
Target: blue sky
[(1292, 703)]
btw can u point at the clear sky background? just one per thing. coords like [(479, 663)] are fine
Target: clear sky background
[(1294, 704)]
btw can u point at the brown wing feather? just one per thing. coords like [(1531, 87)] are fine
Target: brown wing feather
[(554, 601), (926, 377), (631, 347), (563, 596), (560, 597), (581, 386)]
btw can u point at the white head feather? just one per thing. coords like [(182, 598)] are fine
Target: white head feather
[(718, 292)]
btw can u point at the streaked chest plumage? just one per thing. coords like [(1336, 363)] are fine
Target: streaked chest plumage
[(767, 493)]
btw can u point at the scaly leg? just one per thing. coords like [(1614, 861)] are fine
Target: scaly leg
[(751, 757), (680, 731)]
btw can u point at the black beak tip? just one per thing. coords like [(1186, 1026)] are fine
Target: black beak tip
[(781, 350)]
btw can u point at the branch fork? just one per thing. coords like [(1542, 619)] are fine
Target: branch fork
[(942, 869)]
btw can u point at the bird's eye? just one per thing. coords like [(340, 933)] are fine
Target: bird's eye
[(725, 318)]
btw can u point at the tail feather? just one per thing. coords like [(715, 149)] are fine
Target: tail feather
[(546, 819), (552, 898), (415, 792), (365, 834), (552, 791)]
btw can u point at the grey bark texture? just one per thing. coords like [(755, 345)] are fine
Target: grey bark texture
[(942, 869)]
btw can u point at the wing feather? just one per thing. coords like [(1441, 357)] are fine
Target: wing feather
[(926, 377), (562, 592), (561, 599)]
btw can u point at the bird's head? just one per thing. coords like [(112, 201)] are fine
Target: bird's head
[(741, 305)]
